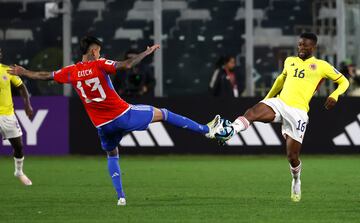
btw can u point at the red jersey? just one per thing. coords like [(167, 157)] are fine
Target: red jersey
[(93, 85)]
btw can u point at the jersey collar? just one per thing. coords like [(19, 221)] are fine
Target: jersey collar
[(307, 60)]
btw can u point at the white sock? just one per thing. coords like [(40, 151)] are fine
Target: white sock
[(19, 162), (295, 172), (240, 124)]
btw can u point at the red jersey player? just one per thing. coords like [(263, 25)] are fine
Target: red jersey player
[(111, 115)]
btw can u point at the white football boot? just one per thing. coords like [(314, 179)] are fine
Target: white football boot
[(23, 178), (214, 125), (296, 190), (121, 202)]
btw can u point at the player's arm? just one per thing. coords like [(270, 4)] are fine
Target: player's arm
[(37, 75), (343, 85), (25, 96), (277, 86), (129, 63)]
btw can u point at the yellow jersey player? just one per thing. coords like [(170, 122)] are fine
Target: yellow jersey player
[(9, 126), (288, 102)]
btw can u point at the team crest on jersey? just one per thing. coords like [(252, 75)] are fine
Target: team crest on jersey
[(313, 66), (5, 78), (109, 62)]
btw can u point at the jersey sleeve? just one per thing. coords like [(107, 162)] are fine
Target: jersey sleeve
[(279, 82), (284, 72), (15, 80), (331, 72), (62, 75), (107, 65)]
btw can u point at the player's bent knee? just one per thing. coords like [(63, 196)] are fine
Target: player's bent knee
[(251, 115), (164, 113), (158, 115), (114, 152), (293, 158)]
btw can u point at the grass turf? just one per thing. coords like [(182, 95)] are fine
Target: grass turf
[(182, 189)]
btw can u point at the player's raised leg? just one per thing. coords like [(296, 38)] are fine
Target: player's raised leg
[(180, 121), (293, 148), (17, 145), (259, 112)]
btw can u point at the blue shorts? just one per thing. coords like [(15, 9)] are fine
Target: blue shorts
[(138, 117)]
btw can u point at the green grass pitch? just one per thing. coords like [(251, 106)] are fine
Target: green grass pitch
[(182, 189)]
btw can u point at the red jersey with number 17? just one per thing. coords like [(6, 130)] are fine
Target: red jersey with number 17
[(93, 85)]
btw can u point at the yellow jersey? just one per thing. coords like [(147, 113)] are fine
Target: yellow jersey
[(302, 79), (6, 102)]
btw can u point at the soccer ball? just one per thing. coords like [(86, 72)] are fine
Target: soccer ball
[(225, 132)]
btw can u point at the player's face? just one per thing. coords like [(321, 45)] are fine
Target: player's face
[(306, 48), (96, 52)]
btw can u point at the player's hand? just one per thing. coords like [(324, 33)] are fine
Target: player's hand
[(16, 70), (29, 111), (151, 49), (330, 103)]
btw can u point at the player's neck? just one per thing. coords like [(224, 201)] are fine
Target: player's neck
[(306, 58), (87, 58)]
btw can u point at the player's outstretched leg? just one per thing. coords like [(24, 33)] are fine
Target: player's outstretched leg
[(115, 174), (293, 148), (259, 112), (19, 161), (180, 121)]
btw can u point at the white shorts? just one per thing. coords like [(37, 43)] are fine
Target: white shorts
[(9, 127), (294, 120)]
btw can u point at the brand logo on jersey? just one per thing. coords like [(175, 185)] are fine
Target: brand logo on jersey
[(84, 73), (313, 66), (265, 134), (350, 136), (293, 64)]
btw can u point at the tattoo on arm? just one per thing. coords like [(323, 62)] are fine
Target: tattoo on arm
[(39, 75), (131, 62)]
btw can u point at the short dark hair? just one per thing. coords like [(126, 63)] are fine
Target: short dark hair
[(86, 42), (311, 36)]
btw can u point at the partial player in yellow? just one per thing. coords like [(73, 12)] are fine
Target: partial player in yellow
[(9, 125), (288, 102)]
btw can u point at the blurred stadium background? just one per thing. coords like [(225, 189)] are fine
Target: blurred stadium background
[(194, 35)]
